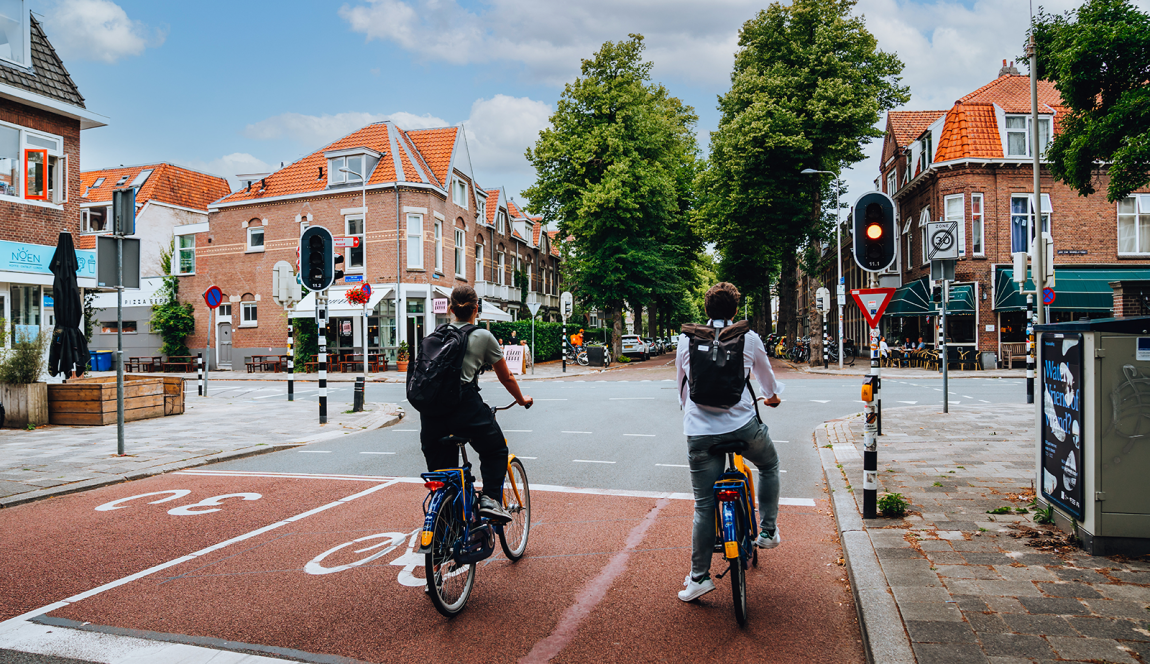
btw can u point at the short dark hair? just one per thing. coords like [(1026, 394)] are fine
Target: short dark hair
[(464, 301), (722, 301)]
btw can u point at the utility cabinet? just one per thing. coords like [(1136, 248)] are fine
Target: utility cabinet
[(1093, 431)]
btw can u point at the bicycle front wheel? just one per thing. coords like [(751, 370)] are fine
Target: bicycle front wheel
[(517, 501), (739, 589), (448, 583)]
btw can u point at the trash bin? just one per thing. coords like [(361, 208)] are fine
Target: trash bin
[(102, 360), (596, 356), (1093, 439), (989, 360)]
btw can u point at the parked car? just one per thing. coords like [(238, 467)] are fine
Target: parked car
[(653, 346), (633, 345)]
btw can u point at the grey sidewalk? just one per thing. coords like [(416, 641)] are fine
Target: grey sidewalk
[(862, 368), (952, 583), (53, 460)]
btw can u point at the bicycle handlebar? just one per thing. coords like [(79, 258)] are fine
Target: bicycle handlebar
[(511, 405)]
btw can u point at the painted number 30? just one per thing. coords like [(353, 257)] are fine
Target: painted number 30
[(205, 506)]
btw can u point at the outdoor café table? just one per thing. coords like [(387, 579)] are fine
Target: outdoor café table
[(354, 361), (143, 363), (266, 362), (184, 363)]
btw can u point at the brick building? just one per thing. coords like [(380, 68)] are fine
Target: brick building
[(426, 227), (972, 164), (41, 116)]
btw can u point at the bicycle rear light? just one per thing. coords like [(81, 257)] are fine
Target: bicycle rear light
[(433, 485), (727, 495)]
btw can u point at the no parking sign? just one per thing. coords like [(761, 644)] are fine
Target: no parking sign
[(213, 296)]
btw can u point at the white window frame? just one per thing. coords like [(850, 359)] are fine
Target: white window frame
[(479, 262), (414, 241), (502, 216), (347, 221), (245, 307), (109, 327), (1047, 215), (460, 253), (977, 225), (1141, 204), (254, 229), (26, 31), (177, 260), (530, 285), (923, 225), (459, 193), (86, 223), (56, 161), (892, 181), (438, 236), (502, 281), (954, 209), (1045, 123)]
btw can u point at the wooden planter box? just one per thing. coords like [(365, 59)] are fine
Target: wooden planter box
[(24, 404), (173, 395), (92, 401)]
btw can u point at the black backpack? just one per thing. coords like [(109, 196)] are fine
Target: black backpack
[(433, 380), (717, 375)]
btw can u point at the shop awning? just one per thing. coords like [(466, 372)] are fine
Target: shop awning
[(1075, 288), (913, 299), (337, 304), (494, 314)]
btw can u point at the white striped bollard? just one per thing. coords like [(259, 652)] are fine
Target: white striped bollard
[(290, 363), (200, 373)]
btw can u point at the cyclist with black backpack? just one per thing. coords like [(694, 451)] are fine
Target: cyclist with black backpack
[(713, 364), (443, 385)]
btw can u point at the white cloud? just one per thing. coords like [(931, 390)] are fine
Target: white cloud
[(229, 165), (315, 131), (501, 129), (98, 30), (694, 40)]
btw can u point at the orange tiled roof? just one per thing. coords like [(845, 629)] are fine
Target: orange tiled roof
[(909, 125), (514, 211), (85, 241), (554, 249), (536, 231), (430, 148), (1012, 93), (492, 205), (971, 130), (170, 184)]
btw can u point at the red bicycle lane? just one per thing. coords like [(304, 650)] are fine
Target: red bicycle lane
[(343, 581)]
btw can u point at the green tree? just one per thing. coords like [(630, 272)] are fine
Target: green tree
[(808, 87), (1098, 57), (173, 320), (610, 172)]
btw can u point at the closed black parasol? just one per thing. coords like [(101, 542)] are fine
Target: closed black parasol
[(69, 352)]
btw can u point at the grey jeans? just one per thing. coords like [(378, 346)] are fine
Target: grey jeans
[(705, 471)]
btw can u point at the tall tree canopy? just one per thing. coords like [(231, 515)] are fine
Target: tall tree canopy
[(1098, 57), (615, 170), (808, 87)]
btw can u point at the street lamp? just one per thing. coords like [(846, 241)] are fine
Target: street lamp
[(839, 258), (363, 229)]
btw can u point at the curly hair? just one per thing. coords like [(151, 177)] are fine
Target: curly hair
[(722, 301)]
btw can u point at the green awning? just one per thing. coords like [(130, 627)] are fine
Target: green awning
[(913, 299), (1075, 288)]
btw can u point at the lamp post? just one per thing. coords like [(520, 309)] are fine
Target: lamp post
[(363, 229), (838, 259)]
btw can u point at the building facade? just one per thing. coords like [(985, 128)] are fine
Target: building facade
[(41, 116), (422, 224)]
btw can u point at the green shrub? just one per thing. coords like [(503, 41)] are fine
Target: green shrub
[(306, 342), (892, 505), (24, 362), (547, 336), (173, 320)]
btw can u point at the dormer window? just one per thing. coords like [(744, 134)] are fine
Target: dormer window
[(459, 193), (141, 178), (350, 166), (502, 222), (1019, 129), (97, 183), (121, 181), (15, 33)]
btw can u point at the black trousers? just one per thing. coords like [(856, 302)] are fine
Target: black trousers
[(474, 420)]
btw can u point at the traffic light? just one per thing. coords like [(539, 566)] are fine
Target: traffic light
[(316, 258), (874, 231), (337, 274)]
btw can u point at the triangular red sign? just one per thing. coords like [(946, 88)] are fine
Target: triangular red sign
[(873, 302)]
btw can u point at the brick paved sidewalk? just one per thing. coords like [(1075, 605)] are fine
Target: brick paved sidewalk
[(53, 460), (971, 586)]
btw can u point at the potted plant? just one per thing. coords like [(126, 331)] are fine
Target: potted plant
[(402, 356), (23, 397)]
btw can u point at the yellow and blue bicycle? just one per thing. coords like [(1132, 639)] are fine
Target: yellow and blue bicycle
[(735, 524), (455, 536)]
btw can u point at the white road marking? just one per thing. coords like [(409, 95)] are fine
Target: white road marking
[(407, 430), (589, 461), (377, 452), (984, 401), (517, 430), (631, 399), (821, 400), (574, 432), (779, 441), (910, 402), (550, 399), (672, 465), (967, 397), (314, 452), (525, 457), (640, 435)]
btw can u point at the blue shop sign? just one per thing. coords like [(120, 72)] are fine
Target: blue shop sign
[(36, 258)]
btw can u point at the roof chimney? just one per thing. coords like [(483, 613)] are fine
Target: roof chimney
[(1008, 70)]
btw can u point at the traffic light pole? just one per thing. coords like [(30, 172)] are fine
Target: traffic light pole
[(942, 345), (291, 359), (1029, 348), (321, 328), (826, 358)]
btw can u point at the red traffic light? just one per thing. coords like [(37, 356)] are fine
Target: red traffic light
[(874, 231)]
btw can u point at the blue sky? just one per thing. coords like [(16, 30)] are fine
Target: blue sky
[(232, 87)]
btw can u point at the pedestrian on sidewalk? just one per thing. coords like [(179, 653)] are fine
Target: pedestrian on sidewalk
[(709, 425)]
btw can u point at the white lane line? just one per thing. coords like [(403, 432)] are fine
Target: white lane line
[(967, 397), (574, 432), (640, 435), (407, 430), (984, 401), (821, 400), (313, 451), (672, 465), (631, 399), (517, 431), (910, 402), (377, 452), (589, 461), (551, 400), (779, 441), (525, 457), (797, 502)]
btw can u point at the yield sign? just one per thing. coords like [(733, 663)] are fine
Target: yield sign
[(873, 302)]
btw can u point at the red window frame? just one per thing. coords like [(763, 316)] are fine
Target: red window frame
[(43, 175)]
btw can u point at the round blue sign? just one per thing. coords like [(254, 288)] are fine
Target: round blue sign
[(213, 296), (1048, 296), (366, 289)]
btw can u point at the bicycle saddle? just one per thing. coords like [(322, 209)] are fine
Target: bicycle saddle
[(452, 439), (729, 446)]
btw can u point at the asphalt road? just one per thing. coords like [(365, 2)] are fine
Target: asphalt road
[(613, 432)]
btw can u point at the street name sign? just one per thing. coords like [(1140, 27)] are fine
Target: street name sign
[(352, 278), (873, 302), (345, 242)]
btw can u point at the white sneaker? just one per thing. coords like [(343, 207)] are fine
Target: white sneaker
[(764, 542), (693, 590)]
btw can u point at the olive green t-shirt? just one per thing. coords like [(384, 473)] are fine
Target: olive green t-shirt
[(482, 349)]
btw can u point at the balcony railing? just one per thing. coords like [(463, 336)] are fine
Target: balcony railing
[(546, 301), (488, 289)]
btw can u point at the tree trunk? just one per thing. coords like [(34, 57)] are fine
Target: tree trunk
[(816, 325), (652, 321), (788, 302), (761, 312), (616, 329)]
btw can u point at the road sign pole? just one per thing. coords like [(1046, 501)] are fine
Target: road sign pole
[(1029, 349), (119, 342), (533, 345), (870, 435), (942, 345), (207, 353), (321, 328), (291, 359), (563, 344)]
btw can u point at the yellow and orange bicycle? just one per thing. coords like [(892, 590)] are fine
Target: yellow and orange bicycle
[(455, 536)]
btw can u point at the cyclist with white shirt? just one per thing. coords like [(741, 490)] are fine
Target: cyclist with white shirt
[(706, 426)]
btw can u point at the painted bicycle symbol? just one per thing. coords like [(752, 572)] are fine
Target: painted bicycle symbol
[(408, 560)]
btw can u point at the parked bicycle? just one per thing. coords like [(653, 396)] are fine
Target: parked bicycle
[(735, 523), (576, 355), (455, 537)]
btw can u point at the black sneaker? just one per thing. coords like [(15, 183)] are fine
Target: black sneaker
[(492, 510)]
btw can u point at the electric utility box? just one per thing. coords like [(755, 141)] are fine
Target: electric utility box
[(1093, 431)]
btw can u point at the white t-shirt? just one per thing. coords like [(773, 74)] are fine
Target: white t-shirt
[(708, 420)]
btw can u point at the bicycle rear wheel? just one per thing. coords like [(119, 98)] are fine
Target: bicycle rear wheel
[(739, 589), (513, 534), (448, 583)]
